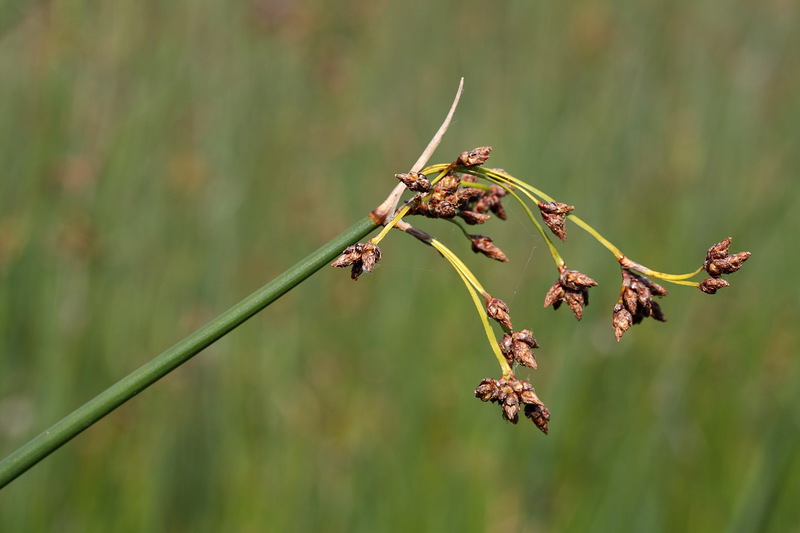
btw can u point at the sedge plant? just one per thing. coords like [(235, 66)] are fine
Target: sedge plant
[(464, 192)]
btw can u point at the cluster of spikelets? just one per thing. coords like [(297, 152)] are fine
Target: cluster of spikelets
[(465, 191)]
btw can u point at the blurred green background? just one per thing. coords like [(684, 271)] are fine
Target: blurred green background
[(161, 160)]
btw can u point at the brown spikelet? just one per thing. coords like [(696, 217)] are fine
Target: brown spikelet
[(554, 215), (484, 245), (572, 288), (361, 257), (719, 261), (474, 157), (498, 310)]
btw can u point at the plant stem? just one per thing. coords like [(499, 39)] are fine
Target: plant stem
[(71, 425)]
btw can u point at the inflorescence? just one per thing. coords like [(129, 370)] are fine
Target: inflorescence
[(466, 190)]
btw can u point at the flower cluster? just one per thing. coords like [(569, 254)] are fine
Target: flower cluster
[(554, 215), (517, 348), (636, 302), (467, 190), (360, 257), (452, 196), (718, 262), (511, 394), (572, 288)]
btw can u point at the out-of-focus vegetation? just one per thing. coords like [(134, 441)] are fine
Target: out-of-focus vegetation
[(160, 160)]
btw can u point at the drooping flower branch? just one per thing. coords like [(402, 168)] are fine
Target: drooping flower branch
[(466, 192)]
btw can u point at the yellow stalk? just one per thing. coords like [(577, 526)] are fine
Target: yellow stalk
[(530, 190), (553, 251), (472, 285), (460, 266)]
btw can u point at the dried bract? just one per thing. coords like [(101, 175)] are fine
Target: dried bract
[(572, 287), (554, 215), (361, 257), (484, 245), (719, 261), (712, 285), (498, 310), (474, 157)]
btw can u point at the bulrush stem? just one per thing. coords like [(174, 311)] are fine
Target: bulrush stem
[(71, 425)]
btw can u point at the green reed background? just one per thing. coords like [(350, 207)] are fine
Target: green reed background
[(161, 160)]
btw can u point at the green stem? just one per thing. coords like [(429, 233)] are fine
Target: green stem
[(71, 425)]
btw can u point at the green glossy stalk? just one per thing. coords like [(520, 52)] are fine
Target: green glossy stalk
[(71, 425)]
